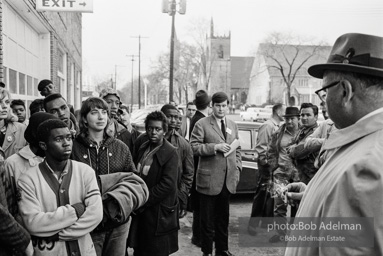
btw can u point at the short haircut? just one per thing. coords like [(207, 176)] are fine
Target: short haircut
[(45, 128), (189, 103), (310, 105), (2, 84), (43, 84), (87, 106), (17, 102), (36, 105), (51, 97), (157, 116), (277, 107), (123, 106), (166, 107), (219, 97)]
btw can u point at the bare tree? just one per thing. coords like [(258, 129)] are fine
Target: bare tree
[(288, 54), (199, 31), (187, 70)]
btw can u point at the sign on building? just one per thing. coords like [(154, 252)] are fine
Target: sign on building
[(65, 5)]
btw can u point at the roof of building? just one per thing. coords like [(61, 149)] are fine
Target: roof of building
[(240, 71), (299, 52)]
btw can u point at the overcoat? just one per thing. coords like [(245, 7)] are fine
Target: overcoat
[(154, 228), (348, 184)]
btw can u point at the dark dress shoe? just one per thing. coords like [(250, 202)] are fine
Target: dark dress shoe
[(224, 253)]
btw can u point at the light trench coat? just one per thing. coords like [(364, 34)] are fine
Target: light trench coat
[(349, 184)]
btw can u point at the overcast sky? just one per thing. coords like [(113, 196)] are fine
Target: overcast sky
[(108, 31)]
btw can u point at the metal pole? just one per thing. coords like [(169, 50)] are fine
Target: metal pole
[(139, 71), (173, 14), (131, 94)]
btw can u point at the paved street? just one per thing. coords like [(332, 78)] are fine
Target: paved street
[(240, 207)]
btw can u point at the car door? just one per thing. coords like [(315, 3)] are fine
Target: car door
[(247, 137)]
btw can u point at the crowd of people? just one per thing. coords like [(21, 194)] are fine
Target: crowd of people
[(86, 182), (73, 180)]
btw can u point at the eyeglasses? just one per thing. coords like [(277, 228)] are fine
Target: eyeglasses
[(322, 93)]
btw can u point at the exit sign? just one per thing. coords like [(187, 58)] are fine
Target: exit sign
[(65, 5)]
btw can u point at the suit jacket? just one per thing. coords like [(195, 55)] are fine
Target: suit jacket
[(214, 170)]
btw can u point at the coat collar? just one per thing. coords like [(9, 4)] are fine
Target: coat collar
[(364, 127)]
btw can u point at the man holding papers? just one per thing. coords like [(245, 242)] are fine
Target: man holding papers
[(217, 175)]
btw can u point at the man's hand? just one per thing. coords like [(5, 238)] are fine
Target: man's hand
[(222, 147), (29, 251), (295, 191)]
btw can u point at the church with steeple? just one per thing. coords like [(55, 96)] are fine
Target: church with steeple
[(225, 72)]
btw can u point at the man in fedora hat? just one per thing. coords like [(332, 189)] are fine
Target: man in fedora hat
[(202, 101), (349, 183), (281, 165)]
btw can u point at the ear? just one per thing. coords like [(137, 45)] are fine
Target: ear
[(42, 145), (348, 92)]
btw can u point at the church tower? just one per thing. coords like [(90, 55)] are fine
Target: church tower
[(218, 62)]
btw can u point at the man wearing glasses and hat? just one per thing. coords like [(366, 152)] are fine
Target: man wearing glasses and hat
[(350, 183)]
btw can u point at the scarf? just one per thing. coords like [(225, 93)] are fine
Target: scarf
[(146, 160)]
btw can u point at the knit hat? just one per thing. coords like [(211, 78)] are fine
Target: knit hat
[(109, 91), (202, 100), (35, 120), (43, 84), (219, 97)]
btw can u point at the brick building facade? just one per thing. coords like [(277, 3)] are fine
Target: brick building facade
[(40, 45)]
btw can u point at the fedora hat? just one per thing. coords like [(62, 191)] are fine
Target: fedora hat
[(358, 53), (291, 111), (202, 99)]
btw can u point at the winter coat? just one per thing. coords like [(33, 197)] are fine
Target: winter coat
[(121, 194), (185, 165), (112, 155), (154, 229), (14, 139), (348, 184)]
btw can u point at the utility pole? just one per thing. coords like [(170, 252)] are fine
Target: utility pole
[(131, 94), (139, 68), (170, 7)]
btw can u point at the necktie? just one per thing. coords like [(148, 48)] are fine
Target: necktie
[(223, 129)]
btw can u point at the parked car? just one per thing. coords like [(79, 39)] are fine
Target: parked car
[(137, 118), (264, 114), (247, 132), (251, 114)]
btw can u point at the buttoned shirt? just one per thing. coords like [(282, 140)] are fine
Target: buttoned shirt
[(63, 173)]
